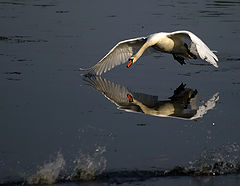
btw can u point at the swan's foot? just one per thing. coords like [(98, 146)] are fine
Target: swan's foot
[(130, 98), (180, 59), (192, 55), (130, 62)]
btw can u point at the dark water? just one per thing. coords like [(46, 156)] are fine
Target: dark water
[(56, 127)]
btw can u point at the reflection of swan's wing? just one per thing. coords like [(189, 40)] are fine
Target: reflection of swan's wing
[(210, 104), (198, 47), (113, 92), (118, 55)]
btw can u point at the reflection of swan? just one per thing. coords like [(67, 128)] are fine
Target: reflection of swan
[(172, 43), (183, 104)]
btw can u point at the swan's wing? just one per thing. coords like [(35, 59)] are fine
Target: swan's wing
[(118, 55), (112, 91), (115, 93), (208, 105), (199, 47)]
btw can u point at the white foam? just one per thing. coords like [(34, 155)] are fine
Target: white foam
[(49, 172), (88, 166)]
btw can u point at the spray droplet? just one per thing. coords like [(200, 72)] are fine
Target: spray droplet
[(49, 172)]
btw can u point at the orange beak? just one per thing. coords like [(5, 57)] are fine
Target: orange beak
[(130, 98), (130, 62)]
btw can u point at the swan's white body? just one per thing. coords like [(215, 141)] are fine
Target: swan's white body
[(172, 43)]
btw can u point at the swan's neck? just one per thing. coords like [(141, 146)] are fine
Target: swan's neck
[(141, 50), (164, 109), (152, 40)]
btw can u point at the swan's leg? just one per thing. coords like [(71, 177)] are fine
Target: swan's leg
[(192, 55), (180, 59)]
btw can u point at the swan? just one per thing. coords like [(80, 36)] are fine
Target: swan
[(183, 104), (173, 43)]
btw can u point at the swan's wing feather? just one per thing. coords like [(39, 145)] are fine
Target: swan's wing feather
[(112, 91), (201, 48), (117, 94), (208, 105), (118, 55)]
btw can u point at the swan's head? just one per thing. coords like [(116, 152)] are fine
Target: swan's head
[(131, 61), (130, 98)]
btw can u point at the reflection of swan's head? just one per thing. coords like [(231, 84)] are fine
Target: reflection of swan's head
[(130, 98), (131, 61)]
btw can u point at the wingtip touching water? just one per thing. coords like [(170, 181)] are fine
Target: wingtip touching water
[(182, 45)]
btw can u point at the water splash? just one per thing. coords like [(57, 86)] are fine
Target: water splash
[(92, 167), (87, 166), (49, 172), (220, 161), (223, 160)]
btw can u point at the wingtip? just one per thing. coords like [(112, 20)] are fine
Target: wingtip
[(214, 63), (213, 59), (86, 72)]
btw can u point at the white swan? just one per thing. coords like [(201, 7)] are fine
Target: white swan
[(174, 43)]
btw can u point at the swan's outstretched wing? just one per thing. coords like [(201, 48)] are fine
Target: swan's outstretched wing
[(208, 105), (198, 47), (118, 55), (116, 93)]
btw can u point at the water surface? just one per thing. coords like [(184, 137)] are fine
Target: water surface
[(55, 128)]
